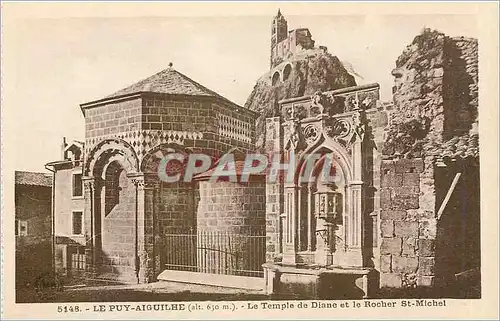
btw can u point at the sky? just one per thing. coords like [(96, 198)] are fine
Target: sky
[(55, 64)]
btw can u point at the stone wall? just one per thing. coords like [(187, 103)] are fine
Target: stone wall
[(33, 251), (274, 192), (118, 235), (153, 119), (407, 226), (112, 118), (435, 99), (232, 207), (176, 208)]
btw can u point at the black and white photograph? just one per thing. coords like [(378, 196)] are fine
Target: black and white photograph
[(256, 161)]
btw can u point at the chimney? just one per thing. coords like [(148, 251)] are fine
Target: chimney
[(63, 146)]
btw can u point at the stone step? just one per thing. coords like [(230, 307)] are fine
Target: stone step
[(220, 280)]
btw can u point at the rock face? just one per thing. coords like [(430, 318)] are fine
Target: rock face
[(301, 75)]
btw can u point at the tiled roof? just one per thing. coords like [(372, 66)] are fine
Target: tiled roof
[(465, 146), (33, 179), (65, 240), (168, 81), (239, 166)]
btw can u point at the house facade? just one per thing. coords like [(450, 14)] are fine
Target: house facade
[(69, 204)]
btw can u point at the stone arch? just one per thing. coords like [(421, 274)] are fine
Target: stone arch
[(110, 150), (276, 78), (152, 159), (287, 71), (117, 186), (321, 147)]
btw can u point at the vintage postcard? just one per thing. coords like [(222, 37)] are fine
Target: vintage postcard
[(249, 160)]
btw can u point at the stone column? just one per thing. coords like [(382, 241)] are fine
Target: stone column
[(89, 218), (310, 215), (354, 237), (144, 230), (290, 235)]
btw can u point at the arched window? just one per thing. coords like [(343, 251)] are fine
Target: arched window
[(287, 71), (276, 78)]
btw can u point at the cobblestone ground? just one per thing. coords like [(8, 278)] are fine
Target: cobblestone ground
[(159, 291)]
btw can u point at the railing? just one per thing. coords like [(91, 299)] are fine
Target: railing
[(215, 252), (77, 262)]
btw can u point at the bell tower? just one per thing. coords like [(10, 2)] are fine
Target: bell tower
[(279, 32)]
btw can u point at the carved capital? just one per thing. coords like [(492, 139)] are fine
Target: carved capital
[(139, 182), (89, 182)]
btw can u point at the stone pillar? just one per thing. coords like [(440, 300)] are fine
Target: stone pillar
[(145, 230), (310, 215), (290, 231), (274, 193), (354, 230), (89, 217)]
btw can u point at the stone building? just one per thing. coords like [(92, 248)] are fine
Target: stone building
[(33, 194), (405, 198), (284, 43), (133, 220)]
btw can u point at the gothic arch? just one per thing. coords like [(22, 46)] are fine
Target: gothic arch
[(110, 150), (327, 145)]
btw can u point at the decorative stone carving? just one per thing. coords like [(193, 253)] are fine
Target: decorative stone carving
[(359, 125), (353, 102), (143, 140), (317, 100), (347, 132), (292, 135), (311, 134)]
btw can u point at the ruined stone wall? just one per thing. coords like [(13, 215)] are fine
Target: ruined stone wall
[(435, 93), (435, 99), (460, 85), (407, 226)]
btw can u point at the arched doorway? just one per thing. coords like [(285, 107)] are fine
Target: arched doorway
[(112, 210)]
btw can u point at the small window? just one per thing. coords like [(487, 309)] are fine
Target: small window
[(77, 223), (21, 228), (77, 185)]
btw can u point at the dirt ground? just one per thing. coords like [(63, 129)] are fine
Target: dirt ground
[(159, 291)]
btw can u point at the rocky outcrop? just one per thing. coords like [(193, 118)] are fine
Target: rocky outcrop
[(315, 70)]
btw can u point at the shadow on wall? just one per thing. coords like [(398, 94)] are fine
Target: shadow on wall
[(458, 257)]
